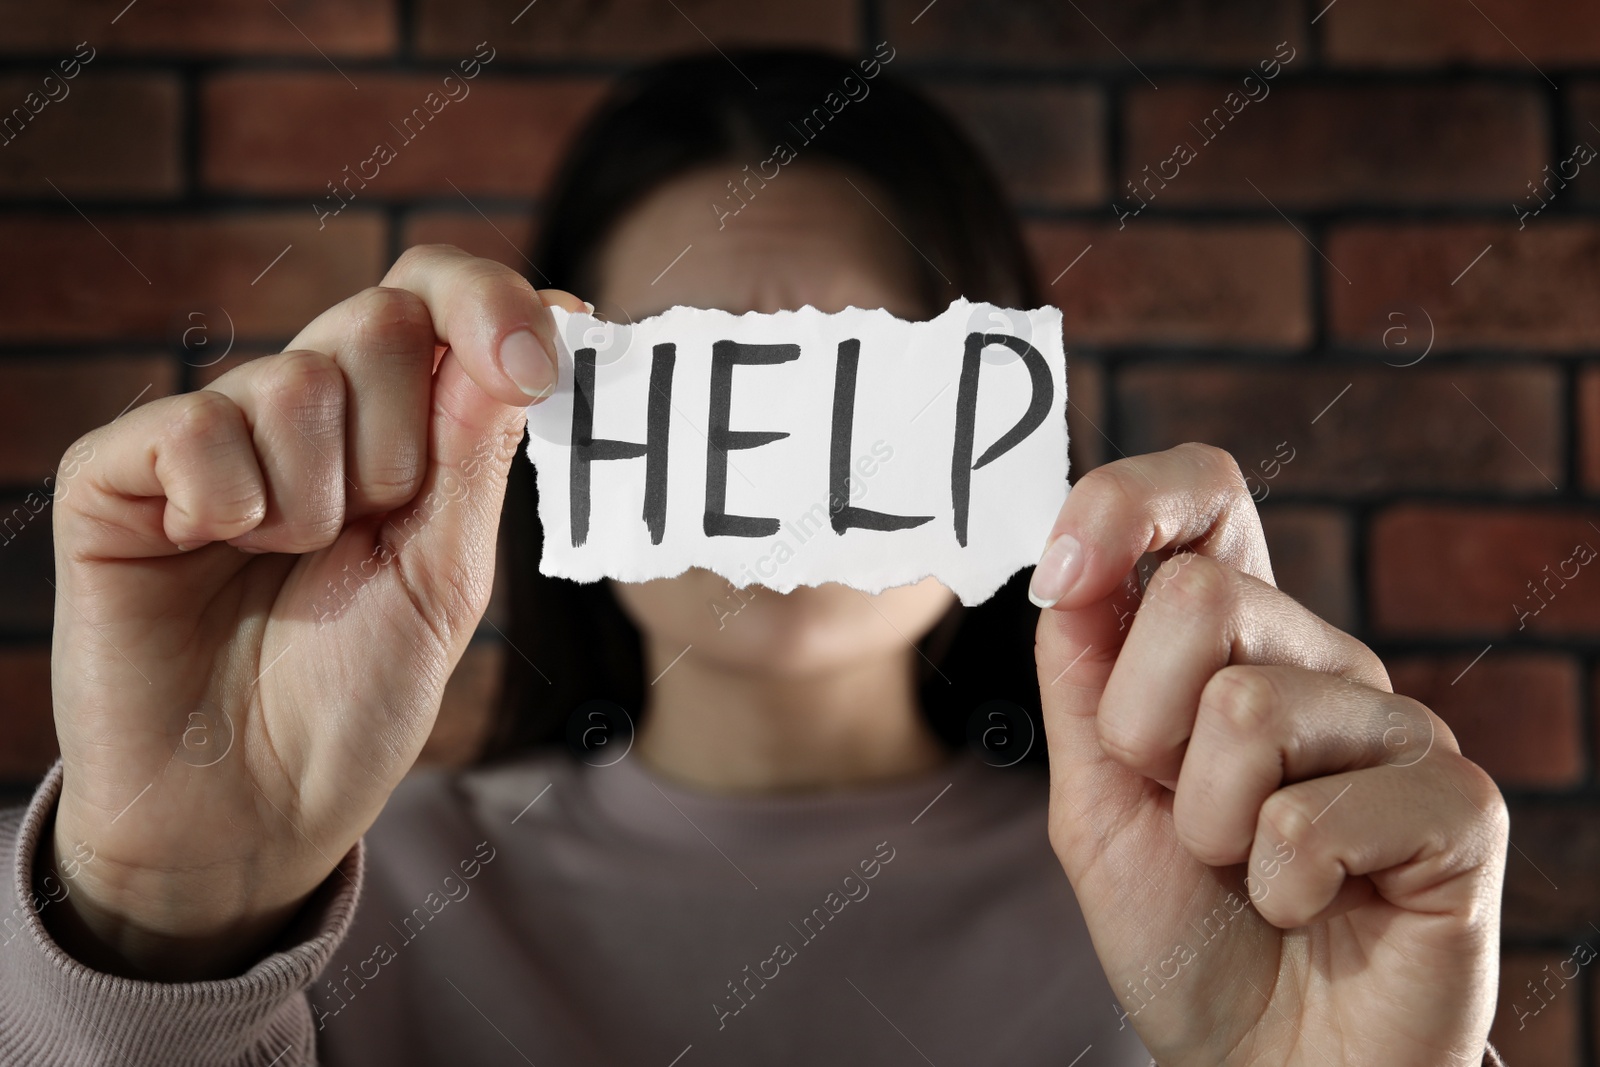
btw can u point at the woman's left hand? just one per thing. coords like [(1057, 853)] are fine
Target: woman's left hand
[(1281, 862)]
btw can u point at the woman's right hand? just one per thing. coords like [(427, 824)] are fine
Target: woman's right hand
[(261, 589)]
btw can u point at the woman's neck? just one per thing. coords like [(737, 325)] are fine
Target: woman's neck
[(733, 730)]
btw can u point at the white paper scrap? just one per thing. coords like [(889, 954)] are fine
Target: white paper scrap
[(799, 447)]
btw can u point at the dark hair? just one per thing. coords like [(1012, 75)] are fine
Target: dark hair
[(570, 643)]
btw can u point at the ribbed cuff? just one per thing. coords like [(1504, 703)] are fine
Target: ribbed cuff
[(54, 1010)]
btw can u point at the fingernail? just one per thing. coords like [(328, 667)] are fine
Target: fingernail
[(527, 363), (1056, 570), (589, 306)]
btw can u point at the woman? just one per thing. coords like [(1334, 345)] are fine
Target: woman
[(1257, 853)]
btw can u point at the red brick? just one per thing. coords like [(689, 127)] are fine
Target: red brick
[(1310, 549), (1045, 142), (1102, 32), (503, 236), (1515, 714), (1462, 570), (1589, 427), (295, 132), (1087, 445), (1553, 873), (112, 134), (27, 729), (27, 558), (1540, 1027), (465, 715), (75, 286), (1583, 105), (629, 29), (195, 27), (1534, 289), (1433, 33), (1160, 283), (1312, 146), (1393, 429), (48, 403)]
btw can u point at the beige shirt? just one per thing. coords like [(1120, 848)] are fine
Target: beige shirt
[(548, 912)]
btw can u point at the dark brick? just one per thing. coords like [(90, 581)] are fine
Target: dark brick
[(197, 27), (1553, 872), (1438, 570), (1162, 283), (1434, 33), (503, 236), (1045, 142), (27, 558), (1539, 1027), (47, 404), (112, 135), (1589, 427), (1310, 549), (1583, 105), (1317, 146), (1100, 32), (27, 729), (1515, 714), (1394, 429), (1534, 289), (1087, 445), (629, 29), (75, 286), (295, 132)]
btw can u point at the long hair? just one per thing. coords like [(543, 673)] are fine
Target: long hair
[(571, 644)]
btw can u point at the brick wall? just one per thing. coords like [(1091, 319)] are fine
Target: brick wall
[(1334, 271)]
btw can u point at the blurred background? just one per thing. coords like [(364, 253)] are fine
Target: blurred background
[(1374, 277)]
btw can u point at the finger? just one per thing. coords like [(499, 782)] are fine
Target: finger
[(442, 543), (1260, 728), (1197, 616), (1192, 495), (1426, 838), (489, 314), (175, 473), (383, 342), (294, 405)]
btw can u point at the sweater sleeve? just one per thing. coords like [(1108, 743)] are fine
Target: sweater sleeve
[(56, 1011)]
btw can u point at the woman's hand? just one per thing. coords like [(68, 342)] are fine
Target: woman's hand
[(262, 589), (1281, 862)]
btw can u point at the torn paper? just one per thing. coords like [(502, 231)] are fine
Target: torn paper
[(800, 447)]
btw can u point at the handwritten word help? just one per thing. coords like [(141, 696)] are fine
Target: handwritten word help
[(699, 440)]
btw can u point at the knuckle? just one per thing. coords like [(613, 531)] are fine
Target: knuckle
[(391, 318), (1134, 750), (420, 257), (1194, 585), (1288, 816), (307, 388), (205, 417), (307, 379), (1241, 701), (1215, 461)]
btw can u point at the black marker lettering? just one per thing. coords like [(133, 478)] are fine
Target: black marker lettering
[(967, 417), (720, 440), (586, 449), (844, 514)]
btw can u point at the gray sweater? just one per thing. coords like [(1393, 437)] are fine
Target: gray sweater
[(548, 912)]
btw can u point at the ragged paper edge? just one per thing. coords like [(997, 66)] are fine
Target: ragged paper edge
[(872, 585)]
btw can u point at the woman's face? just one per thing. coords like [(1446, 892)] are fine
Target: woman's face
[(807, 237)]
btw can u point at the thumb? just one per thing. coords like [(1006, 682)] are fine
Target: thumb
[(1192, 498), (443, 542)]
